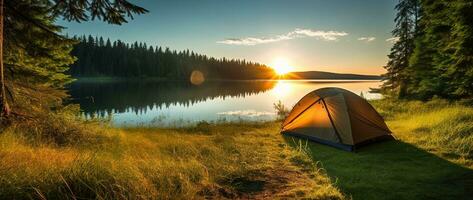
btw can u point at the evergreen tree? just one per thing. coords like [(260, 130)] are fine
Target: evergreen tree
[(460, 69), (442, 62), (141, 60), (406, 23), (34, 56), (34, 52), (424, 80)]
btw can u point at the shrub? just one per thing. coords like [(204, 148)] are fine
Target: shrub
[(61, 127), (281, 110)]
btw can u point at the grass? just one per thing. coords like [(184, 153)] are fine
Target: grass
[(442, 128), (59, 158), (205, 161), (431, 158)]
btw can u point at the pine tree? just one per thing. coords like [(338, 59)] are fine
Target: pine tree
[(406, 23), (34, 56), (442, 63), (425, 81), (32, 47), (460, 68), (140, 60)]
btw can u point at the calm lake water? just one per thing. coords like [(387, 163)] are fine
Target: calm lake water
[(175, 103)]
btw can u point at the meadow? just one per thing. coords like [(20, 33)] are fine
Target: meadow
[(61, 157), (237, 160)]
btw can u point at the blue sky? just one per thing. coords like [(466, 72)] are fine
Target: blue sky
[(327, 35)]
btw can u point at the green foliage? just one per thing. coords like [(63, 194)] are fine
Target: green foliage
[(281, 110), (458, 47), (113, 12), (118, 59), (405, 31), (440, 62), (35, 56)]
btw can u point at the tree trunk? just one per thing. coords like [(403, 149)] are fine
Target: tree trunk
[(402, 89), (3, 98)]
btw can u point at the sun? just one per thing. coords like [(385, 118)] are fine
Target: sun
[(281, 66)]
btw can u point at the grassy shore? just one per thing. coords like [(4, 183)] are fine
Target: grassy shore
[(238, 160), (62, 158)]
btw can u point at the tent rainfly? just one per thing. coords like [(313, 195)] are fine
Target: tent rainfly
[(336, 117)]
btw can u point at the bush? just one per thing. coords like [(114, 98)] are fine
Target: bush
[(281, 110), (62, 127)]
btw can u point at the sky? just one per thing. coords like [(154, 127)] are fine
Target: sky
[(347, 36)]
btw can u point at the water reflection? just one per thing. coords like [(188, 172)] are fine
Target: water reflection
[(163, 103), (140, 96), (282, 89)]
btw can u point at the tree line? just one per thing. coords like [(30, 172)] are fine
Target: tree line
[(97, 57), (433, 54)]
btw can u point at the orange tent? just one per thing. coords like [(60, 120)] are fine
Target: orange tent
[(336, 117)]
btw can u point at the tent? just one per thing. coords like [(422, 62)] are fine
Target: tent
[(336, 117)]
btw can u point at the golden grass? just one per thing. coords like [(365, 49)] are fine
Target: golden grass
[(214, 161), (59, 157)]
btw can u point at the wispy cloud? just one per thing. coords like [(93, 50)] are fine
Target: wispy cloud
[(297, 33), (392, 40), (367, 39)]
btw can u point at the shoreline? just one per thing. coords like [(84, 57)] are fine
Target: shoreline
[(240, 160), (157, 79)]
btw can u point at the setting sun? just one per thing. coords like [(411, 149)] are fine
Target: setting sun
[(281, 66)]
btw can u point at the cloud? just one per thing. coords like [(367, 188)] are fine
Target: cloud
[(367, 39), (392, 40), (297, 33)]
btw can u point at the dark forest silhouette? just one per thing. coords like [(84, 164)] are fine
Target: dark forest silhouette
[(98, 57)]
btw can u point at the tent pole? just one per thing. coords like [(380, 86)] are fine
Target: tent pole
[(372, 124), (302, 112), (331, 121)]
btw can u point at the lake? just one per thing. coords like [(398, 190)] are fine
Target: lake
[(180, 103)]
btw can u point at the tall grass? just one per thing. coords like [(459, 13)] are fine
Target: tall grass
[(232, 160), (439, 126)]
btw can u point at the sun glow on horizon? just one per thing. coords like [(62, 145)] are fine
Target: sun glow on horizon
[(281, 66)]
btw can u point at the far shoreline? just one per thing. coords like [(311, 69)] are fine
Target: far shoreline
[(105, 79)]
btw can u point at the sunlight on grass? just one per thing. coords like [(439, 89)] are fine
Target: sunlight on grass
[(437, 126), (140, 163), (431, 159)]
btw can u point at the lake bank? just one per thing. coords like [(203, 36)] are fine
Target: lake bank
[(432, 158), (205, 161)]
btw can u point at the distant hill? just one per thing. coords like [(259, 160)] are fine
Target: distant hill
[(329, 75)]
